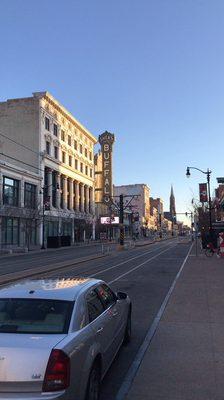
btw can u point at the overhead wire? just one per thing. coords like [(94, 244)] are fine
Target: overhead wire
[(22, 162), (19, 144)]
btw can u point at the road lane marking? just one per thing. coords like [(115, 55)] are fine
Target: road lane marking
[(128, 380), (140, 265), (128, 260)]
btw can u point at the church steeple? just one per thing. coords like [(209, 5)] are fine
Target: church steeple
[(172, 203)]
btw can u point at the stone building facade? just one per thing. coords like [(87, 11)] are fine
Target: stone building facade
[(42, 139)]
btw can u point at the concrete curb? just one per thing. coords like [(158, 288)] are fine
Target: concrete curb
[(50, 250), (28, 273)]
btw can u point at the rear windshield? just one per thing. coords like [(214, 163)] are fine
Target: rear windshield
[(35, 316)]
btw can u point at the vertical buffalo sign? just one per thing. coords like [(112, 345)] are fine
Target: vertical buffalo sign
[(203, 195), (106, 141)]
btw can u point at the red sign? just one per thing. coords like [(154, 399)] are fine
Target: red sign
[(203, 195)]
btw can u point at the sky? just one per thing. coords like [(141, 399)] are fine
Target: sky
[(149, 71)]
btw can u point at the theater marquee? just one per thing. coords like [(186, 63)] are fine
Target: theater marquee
[(106, 141)]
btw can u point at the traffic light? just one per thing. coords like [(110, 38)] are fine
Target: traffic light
[(186, 214)]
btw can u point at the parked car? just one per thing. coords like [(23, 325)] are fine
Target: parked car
[(58, 337)]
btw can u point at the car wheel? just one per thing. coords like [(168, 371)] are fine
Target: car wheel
[(93, 388), (127, 334)]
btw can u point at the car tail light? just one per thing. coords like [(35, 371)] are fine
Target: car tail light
[(57, 375)]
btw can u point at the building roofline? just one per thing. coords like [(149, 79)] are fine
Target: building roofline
[(48, 95), (52, 99), (132, 184)]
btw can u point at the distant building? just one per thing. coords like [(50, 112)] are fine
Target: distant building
[(156, 211), (171, 215), (157, 203), (172, 203), (139, 204)]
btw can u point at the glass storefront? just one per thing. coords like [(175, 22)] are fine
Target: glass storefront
[(10, 231), (51, 228), (66, 228), (30, 228)]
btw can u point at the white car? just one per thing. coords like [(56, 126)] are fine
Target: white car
[(58, 337)]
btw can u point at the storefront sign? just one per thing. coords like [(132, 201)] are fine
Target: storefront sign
[(109, 220), (203, 192), (106, 140)]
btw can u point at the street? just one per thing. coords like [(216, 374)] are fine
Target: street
[(146, 274), (19, 262)]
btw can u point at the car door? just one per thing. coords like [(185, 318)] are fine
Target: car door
[(114, 316), (101, 323)]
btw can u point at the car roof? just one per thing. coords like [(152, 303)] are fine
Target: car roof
[(52, 288)]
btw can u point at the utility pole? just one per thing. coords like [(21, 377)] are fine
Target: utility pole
[(121, 220), (121, 208)]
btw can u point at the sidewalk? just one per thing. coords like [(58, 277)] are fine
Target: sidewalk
[(185, 359)]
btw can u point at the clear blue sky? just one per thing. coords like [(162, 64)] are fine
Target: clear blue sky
[(150, 71)]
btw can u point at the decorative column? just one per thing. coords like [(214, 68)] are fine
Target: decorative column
[(58, 190), (1, 190), (21, 193), (71, 194), (82, 197), (91, 193), (65, 192), (77, 196), (87, 199), (1, 204), (49, 186)]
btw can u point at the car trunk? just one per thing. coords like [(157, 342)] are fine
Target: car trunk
[(23, 361)]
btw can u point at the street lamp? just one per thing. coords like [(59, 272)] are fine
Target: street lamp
[(207, 173)]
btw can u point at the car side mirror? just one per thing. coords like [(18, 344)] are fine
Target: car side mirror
[(121, 296)]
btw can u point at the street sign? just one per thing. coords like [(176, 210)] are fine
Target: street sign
[(220, 180), (203, 192)]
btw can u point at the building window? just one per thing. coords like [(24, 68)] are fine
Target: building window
[(63, 135), (48, 148), (90, 155), (30, 195), (75, 144), (10, 230), (56, 152), (69, 140), (47, 123), (70, 161), (91, 173), (80, 148), (55, 130), (81, 167), (63, 157), (86, 170), (86, 153), (76, 164), (10, 192)]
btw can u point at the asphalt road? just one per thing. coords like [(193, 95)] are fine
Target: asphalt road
[(20, 262), (146, 274)]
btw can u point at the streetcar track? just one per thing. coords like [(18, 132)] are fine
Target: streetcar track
[(108, 269)]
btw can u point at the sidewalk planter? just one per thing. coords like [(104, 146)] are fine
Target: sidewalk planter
[(66, 240), (53, 242)]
